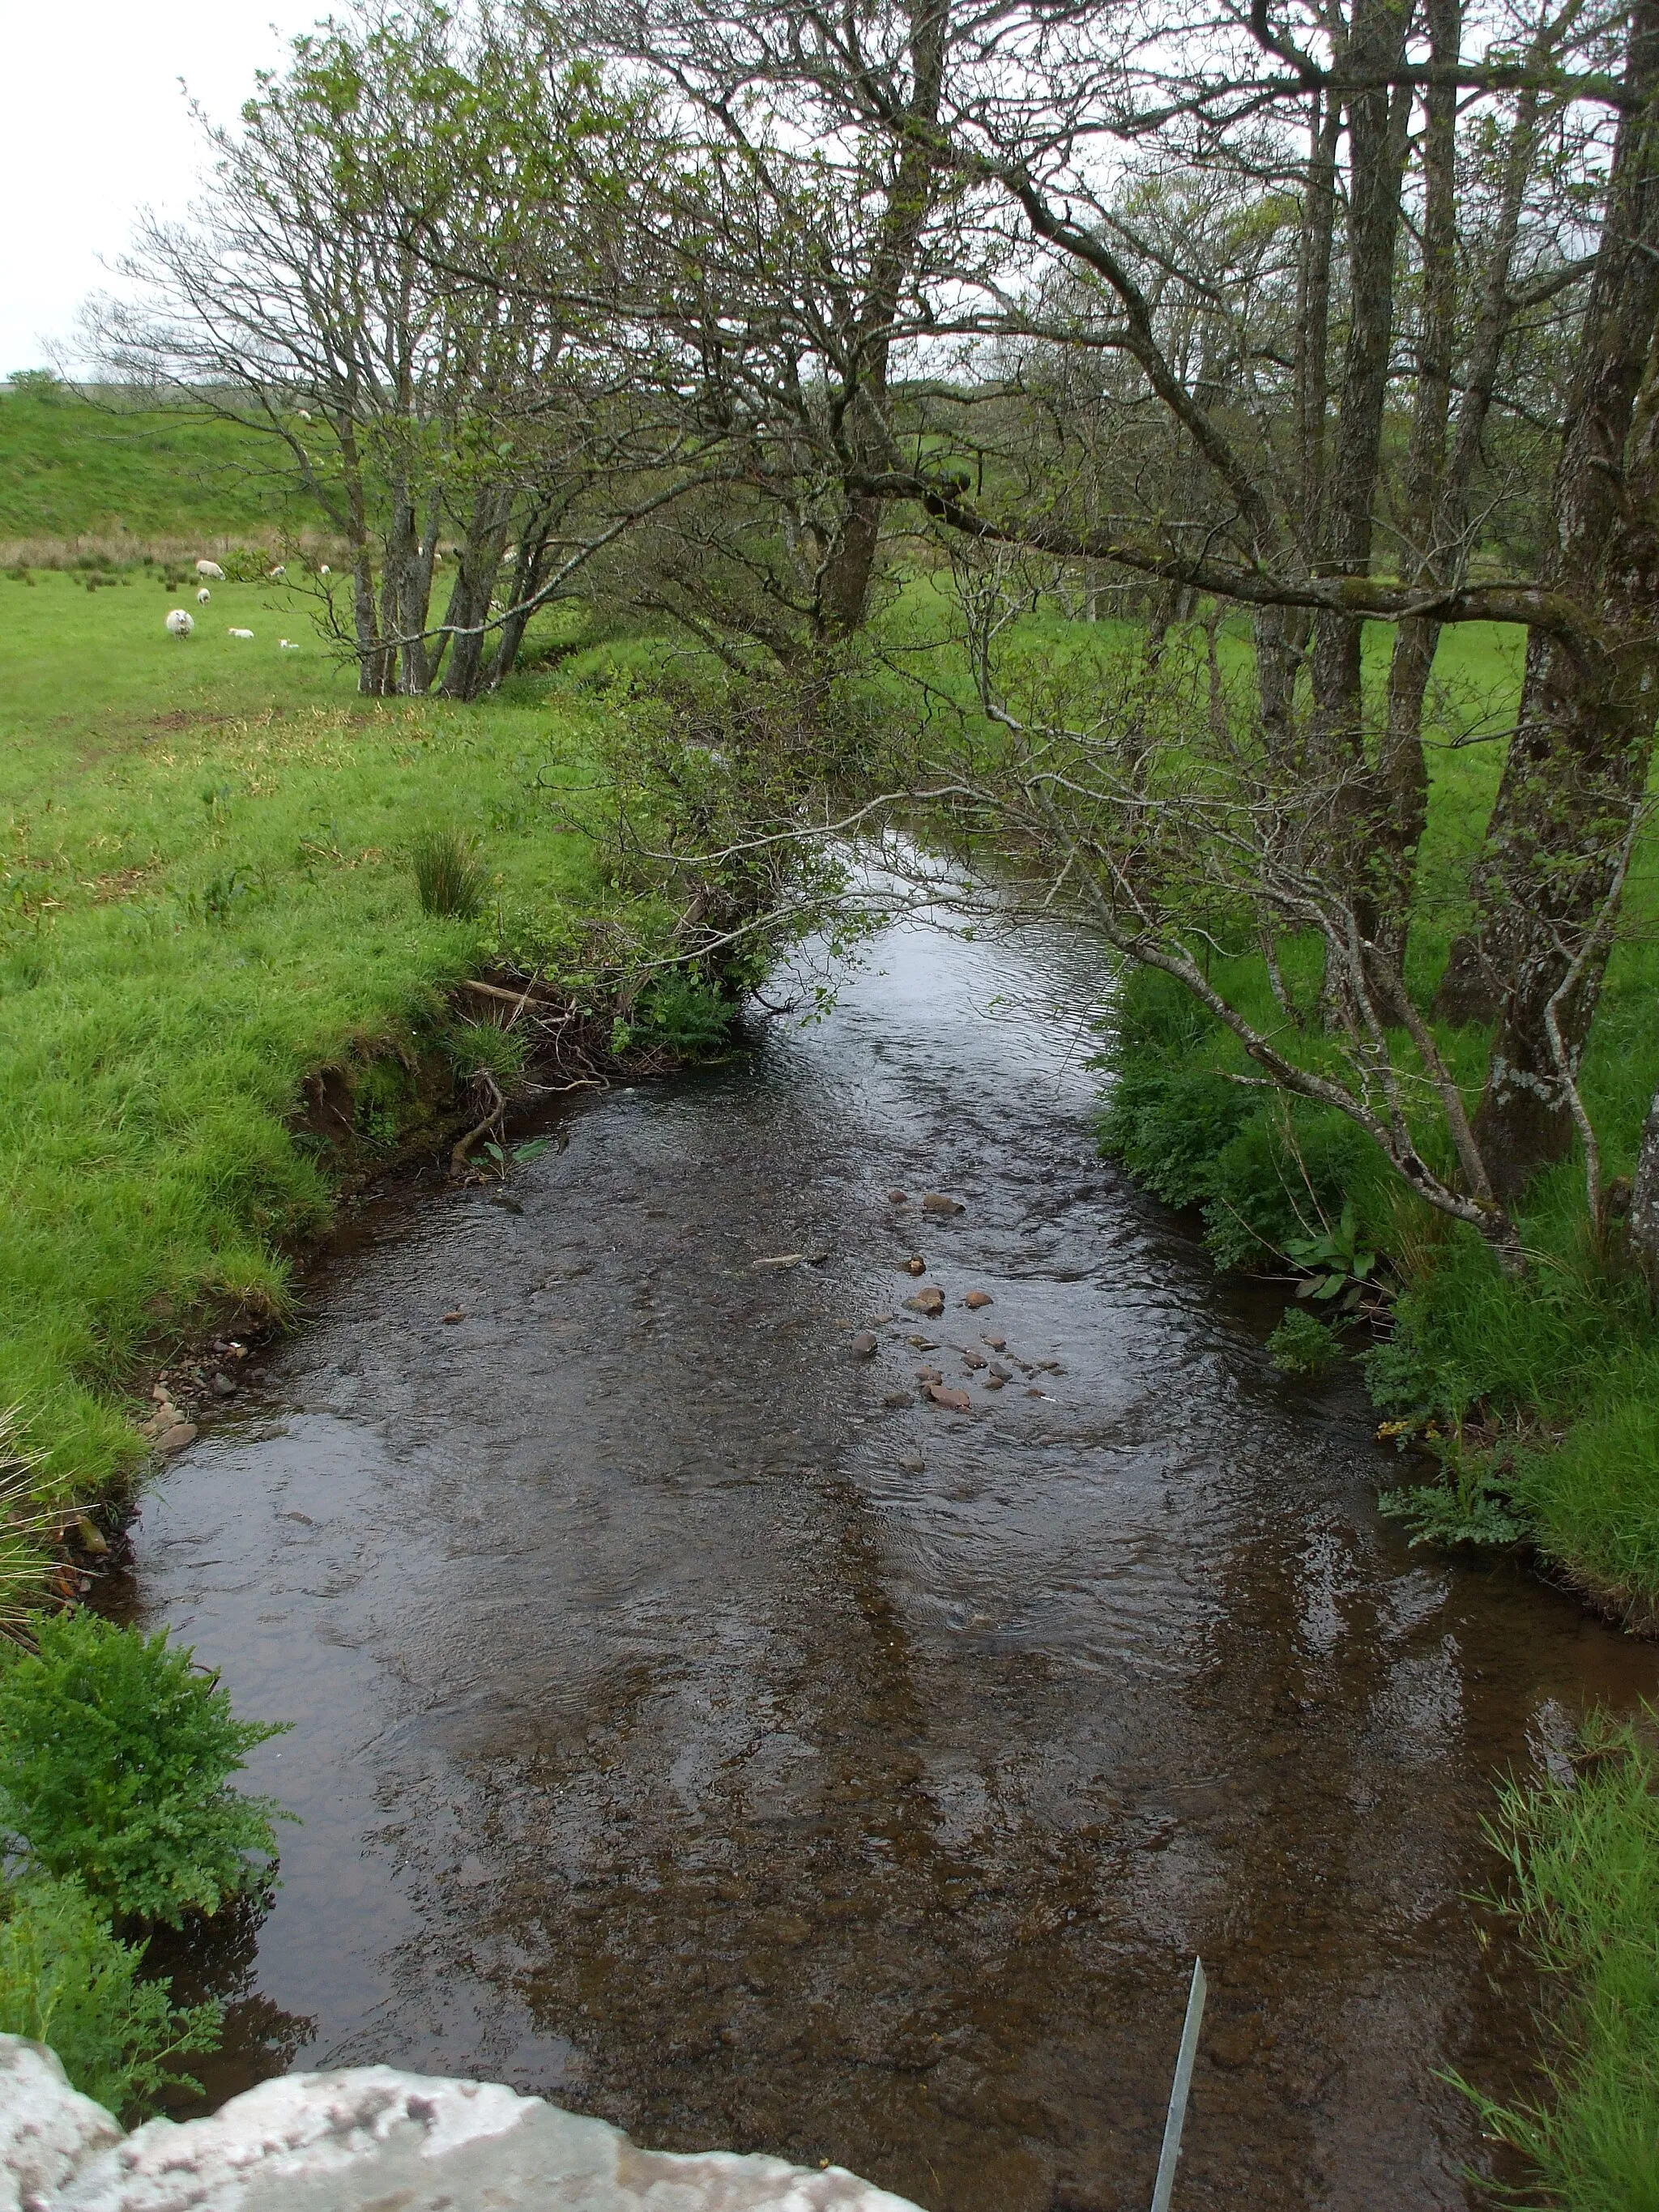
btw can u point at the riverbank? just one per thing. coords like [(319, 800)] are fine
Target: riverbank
[(219, 991)]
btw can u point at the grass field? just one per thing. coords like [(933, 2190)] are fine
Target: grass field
[(204, 894), (71, 470)]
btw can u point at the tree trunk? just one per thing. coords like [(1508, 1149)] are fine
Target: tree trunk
[(1401, 805), (1579, 760), (1644, 1200), (1377, 135)]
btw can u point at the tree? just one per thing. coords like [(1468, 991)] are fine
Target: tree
[(1033, 111), (329, 296), (781, 266)]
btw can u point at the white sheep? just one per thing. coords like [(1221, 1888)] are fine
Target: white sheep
[(212, 570), (326, 570), (304, 414), (202, 596), (238, 633), (286, 645), (179, 624), (277, 574)]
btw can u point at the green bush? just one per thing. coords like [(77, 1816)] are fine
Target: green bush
[(1302, 1345), (450, 879), (685, 1013), (67, 1980), (115, 1759)]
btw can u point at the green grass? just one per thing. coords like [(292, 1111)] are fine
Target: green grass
[(69, 469), (205, 893), (1584, 1854)]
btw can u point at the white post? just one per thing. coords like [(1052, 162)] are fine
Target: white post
[(1183, 2081)]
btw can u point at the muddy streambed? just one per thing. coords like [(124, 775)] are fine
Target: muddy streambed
[(685, 1730)]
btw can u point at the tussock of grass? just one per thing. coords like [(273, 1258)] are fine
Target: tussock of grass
[(450, 881), (202, 896), (1584, 1857)]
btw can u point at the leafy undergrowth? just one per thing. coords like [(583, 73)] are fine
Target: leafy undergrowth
[(1583, 1855), (118, 1814), (1540, 1399), (206, 895)]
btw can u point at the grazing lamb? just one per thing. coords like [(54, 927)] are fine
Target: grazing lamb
[(286, 645), (277, 574), (212, 570), (238, 633), (179, 624), (202, 596), (326, 570)]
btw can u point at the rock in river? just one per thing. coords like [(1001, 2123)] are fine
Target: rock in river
[(934, 1201), (930, 1302), (975, 1299), (954, 1401), (371, 2136), (863, 1345)]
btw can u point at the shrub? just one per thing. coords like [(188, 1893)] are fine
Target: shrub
[(115, 1759), (450, 881), (685, 1013), (67, 1980), (1302, 1345)]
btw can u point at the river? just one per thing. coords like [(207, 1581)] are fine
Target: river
[(693, 1722)]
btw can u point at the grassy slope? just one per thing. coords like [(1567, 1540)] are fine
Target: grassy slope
[(68, 469), (201, 898)]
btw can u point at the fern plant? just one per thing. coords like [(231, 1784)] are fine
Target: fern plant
[(115, 1764), (68, 1980)]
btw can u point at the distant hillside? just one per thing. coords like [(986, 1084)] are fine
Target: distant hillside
[(70, 469)]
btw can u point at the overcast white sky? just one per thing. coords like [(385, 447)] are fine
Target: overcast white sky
[(93, 125)]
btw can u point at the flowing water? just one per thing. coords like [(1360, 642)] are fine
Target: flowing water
[(695, 1724)]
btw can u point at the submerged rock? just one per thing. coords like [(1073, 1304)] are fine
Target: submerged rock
[(371, 2136), (934, 1201), (863, 1343), (929, 1302)]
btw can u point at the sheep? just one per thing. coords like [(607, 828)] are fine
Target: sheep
[(238, 633), (179, 624), (202, 596), (212, 570), (286, 645), (304, 414), (277, 574), (326, 570)]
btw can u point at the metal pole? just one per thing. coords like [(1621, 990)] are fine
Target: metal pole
[(1183, 2081)]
